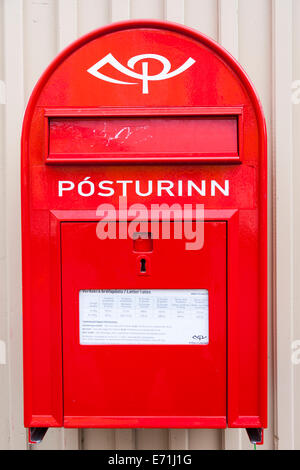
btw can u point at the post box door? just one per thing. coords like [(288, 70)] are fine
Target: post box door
[(143, 385)]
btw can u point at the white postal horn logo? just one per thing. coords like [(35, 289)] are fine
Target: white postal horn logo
[(144, 76)]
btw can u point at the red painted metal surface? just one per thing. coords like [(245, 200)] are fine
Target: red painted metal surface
[(225, 382)]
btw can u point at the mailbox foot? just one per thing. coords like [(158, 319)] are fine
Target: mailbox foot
[(256, 435), (36, 435)]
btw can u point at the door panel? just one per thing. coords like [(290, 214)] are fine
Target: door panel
[(155, 385)]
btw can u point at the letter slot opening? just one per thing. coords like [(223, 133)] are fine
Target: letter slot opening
[(114, 139)]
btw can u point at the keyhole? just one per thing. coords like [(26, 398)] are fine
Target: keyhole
[(143, 265)]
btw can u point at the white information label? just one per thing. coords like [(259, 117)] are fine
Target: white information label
[(156, 316)]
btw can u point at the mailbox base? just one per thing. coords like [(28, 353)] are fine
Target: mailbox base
[(256, 435), (36, 435)]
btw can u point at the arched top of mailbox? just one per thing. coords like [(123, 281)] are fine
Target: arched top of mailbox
[(109, 70)]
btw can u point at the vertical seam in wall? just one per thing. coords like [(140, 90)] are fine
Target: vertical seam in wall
[(5, 332), (15, 12), (282, 79), (271, 242), (228, 30), (28, 445), (292, 239), (274, 216), (77, 18), (64, 19), (177, 10)]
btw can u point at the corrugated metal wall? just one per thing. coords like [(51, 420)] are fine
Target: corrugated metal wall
[(265, 37)]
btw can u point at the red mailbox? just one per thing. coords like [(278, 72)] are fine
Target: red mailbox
[(132, 328)]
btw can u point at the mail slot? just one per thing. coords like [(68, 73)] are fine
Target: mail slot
[(113, 138), (144, 236)]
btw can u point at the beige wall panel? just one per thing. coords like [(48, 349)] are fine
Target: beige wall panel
[(92, 14), (98, 439), (174, 10), (125, 439), (147, 9), (283, 148), (202, 15), (255, 50), (296, 216), (14, 79), (208, 439), (228, 27), (67, 22), (4, 412), (39, 40), (4, 379), (178, 439), (147, 439), (120, 10), (205, 439)]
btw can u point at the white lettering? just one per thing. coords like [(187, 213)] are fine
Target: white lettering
[(192, 185), (179, 188), (146, 188), (65, 186), (139, 193), (224, 190), (124, 187), (91, 187), (165, 186), (110, 191)]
